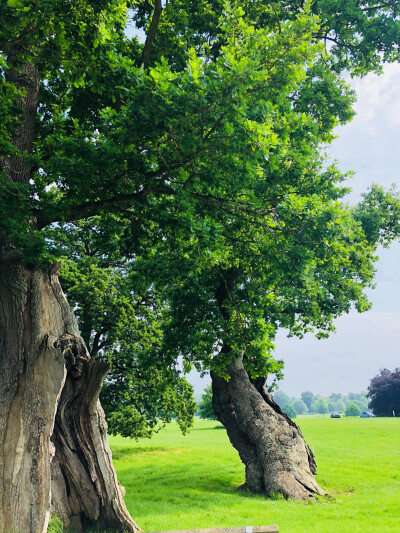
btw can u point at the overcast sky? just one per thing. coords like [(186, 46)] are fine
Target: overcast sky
[(364, 343)]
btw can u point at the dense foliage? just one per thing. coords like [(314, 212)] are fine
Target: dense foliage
[(352, 410), (384, 393), (195, 158), (120, 315)]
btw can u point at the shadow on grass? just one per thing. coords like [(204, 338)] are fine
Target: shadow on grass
[(181, 482), (207, 429), (120, 453), (153, 496), (163, 481)]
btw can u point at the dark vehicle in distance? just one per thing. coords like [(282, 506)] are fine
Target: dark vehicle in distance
[(366, 414), (336, 415)]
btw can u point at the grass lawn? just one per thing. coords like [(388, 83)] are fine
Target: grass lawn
[(183, 482)]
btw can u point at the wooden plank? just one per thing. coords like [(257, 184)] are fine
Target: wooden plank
[(248, 529)]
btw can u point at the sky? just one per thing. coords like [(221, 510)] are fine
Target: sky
[(363, 343)]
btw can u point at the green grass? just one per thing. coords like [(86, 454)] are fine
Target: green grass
[(177, 482)]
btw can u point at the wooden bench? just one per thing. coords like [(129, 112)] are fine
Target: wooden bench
[(246, 529)]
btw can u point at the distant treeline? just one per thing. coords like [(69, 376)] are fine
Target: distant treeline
[(315, 404), (308, 403)]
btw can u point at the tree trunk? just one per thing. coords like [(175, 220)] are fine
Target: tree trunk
[(271, 446), (53, 442), (26, 78)]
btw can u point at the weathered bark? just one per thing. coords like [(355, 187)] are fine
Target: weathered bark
[(32, 374), (49, 408), (271, 446), (26, 78), (85, 489)]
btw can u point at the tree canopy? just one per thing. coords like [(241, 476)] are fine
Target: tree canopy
[(195, 157)]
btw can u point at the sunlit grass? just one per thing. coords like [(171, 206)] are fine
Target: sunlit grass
[(182, 482)]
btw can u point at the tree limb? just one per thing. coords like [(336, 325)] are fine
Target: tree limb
[(152, 33), (90, 209)]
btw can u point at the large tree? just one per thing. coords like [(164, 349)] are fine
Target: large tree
[(202, 145), (54, 449)]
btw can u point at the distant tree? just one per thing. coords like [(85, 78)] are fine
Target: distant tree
[(299, 406), (289, 410), (362, 404), (307, 398), (384, 392), (359, 398), (338, 406), (335, 397), (281, 398), (320, 406), (206, 409), (352, 410), (332, 405), (362, 401)]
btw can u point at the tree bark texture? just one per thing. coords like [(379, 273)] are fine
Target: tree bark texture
[(54, 455), (271, 446), (26, 78)]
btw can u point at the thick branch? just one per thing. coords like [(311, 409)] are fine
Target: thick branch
[(26, 78), (152, 33), (383, 5), (91, 209)]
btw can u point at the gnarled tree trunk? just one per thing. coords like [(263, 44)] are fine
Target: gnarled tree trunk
[(53, 444), (54, 455), (271, 446)]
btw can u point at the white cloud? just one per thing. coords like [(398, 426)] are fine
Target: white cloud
[(375, 94), (370, 144)]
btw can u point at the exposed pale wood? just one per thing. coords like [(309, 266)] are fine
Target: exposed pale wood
[(32, 374), (49, 410), (86, 492)]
